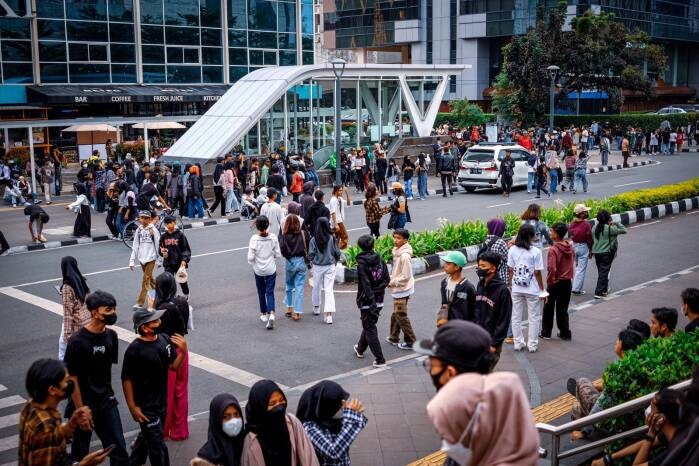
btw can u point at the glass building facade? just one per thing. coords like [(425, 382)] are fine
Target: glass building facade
[(151, 41)]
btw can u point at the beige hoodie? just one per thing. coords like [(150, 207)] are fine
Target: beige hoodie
[(402, 281)]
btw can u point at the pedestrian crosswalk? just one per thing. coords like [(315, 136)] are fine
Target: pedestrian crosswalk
[(10, 408)]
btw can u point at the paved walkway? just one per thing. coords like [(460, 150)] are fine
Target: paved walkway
[(399, 431)]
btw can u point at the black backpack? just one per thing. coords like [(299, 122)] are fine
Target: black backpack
[(485, 247), (531, 160)]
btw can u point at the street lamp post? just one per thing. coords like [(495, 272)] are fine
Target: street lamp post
[(338, 69), (553, 71)]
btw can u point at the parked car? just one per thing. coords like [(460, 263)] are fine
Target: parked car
[(481, 164), (670, 110)]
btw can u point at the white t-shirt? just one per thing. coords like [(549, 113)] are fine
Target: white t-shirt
[(274, 214), (338, 208), (525, 262)]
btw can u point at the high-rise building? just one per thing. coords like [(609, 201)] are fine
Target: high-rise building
[(474, 31)]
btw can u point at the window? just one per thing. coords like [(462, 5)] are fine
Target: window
[(123, 53), (52, 51), (16, 50), (54, 72), (87, 31), (120, 32), (287, 58), (91, 10), (262, 15), (12, 28), (287, 41), (88, 73), (181, 36), (121, 10), (211, 56), (266, 40), (154, 74), (287, 17), (152, 12), (153, 54), (211, 37), (210, 12), (183, 74), (212, 74), (236, 72), (182, 13), (237, 38), (98, 52), (78, 52), (237, 16), (17, 73), (479, 156), (49, 9), (123, 73), (51, 29), (238, 56)]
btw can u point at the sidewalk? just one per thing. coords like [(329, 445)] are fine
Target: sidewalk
[(399, 431)]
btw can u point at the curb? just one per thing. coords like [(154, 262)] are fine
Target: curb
[(225, 221), (431, 262)]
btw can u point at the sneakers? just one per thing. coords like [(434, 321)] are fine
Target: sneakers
[(578, 293), (270, 321), (316, 310), (328, 319), (137, 306), (568, 338), (544, 337), (597, 296), (391, 342), (405, 346), (379, 365), (519, 348), (510, 340), (572, 386), (357, 353), (264, 318), (534, 350)]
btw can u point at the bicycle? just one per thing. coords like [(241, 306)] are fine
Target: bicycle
[(127, 234)]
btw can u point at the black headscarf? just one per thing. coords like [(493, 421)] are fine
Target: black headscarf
[(320, 403), (165, 288), (73, 277), (219, 447), (80, 189), (323, 233), (269, 426)]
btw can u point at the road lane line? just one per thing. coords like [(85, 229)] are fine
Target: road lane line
[(11, 401), (357, 229), (9, 420), (498, 205), (228, 372), (631, 184), (692, 212), (645, 224)]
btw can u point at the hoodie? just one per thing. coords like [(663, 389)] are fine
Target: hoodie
[(493, 306), (144, 241), (307, 198), (402, 280), (177, 249), (372, 279), (262, 251), (315, 212), (560, 263)]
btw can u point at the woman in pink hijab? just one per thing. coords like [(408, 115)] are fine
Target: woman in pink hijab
[(485, 420)]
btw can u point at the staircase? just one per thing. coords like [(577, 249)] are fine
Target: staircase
[(412, 146)]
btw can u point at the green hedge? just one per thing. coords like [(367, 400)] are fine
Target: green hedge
[(655, 364), (459, 235), (625, 120), (448, 117)]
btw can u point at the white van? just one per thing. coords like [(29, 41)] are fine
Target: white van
[(481, 164)]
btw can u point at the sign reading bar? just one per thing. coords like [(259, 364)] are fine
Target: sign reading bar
[(66, 94)]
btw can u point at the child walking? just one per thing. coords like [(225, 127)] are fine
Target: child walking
[(402, 286), (458, 294), (144, 251), (263, 249), (175, 250)]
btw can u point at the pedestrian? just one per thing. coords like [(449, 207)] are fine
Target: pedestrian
[(73, 290), (392, 174), (272, 210), (46, 177), (560, 264), (297, 184), (372, 211), (90, 355), (226, 433), (144, 250), (606, 147), (57, 159), (174, 248), (315, 212), (541, 177), (144, 377), (275, 437), (103, 176), (195, 206), (263, 249), (493, 302), (580, 233), (229, 183), (402, 286), (331, 420), (174, 321), (127, 205), (581, 173), (295, 251), (307, 198), (604, 247), (421, 170), (506, 173), (525, 264), (569, 163), (218, 179), (37, 219), (690, 308), (42, 437), (553, 166), (398, 208), (324, 253), (673, 141), (680, 139), (338, 216), (81, 206), (276, 181), (381, 170), (531, 217), (447, 170), (457, 293), (494, 243), (408, 169), (624, 151), (358, 162), (112, 200)]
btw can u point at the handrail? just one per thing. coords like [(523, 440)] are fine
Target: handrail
[(557, 432)]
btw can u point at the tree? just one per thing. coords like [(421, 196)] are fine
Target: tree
[(466, 113)]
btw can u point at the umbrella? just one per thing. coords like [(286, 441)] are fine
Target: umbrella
[(160, 125), (91, 128)]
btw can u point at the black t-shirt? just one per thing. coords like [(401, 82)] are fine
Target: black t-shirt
[(89, 357), (35, 212), (146, 364), (692, 326), (145, 194), (276, 181)]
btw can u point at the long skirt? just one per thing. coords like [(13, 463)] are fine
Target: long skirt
[(176, 427), (83, 222)]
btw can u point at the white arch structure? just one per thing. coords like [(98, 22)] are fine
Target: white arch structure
[(247, 101)]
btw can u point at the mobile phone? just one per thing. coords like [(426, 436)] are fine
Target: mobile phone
[(109, 449)]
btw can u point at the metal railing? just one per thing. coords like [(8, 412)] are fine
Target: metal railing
[(556, 432)]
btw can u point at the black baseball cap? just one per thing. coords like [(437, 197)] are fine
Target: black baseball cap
[(458, 342), (143, 316)]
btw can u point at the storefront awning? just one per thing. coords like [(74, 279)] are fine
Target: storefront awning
[(80, 94)]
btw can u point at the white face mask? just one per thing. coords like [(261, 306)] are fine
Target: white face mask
[(232, 427), (457, 452)]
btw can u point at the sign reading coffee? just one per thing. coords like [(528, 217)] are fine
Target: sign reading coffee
[(124, 94)]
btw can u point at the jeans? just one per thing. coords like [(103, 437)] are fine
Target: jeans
[(295, 277), (532, 304), (232, 201), (422, 185), (554, 181), (120, 223), (559, 299), (57, 180), (111, 221), (540, 180), (409, 188), (312, 176), (265, 291), (100, 201), (369, 337), (530, 181), (88, 192), (150, 443), (581, 257), (107, 426), (195, 208), (604, 266), (447, 180), (374, 229), (664, 148), (324, 278), (605, 158), (672, 147), (359, 180), (580, 177), (401, 220), (506, 182)]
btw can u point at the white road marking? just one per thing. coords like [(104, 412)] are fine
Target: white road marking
[(357, 229), (645, 224), (692, 212), (631, 184), (2, 388), (204, 363), (9, 443), (11, 401), (499, 205), (9, 420)]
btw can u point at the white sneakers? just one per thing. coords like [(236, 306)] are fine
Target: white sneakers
[(328, 319), (270, 321), (264, 318), (316, 310)]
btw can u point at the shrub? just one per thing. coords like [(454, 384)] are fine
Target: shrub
[(19, 154), (460, 235), (655, 364), (135, 148), (625, 120)]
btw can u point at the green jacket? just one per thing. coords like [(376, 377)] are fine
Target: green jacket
[(607, 240)]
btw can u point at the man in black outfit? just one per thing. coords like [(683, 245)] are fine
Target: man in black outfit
[(90, 354), (144, 378), (218, 188), (315, 212), (493, 302)]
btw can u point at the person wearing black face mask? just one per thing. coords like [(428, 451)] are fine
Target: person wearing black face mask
[(89, 358), (457, 347), (493, 302), (42, 436)]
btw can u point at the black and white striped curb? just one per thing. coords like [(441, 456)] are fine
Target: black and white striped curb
[(431, 262)]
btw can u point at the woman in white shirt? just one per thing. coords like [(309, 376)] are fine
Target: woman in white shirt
[(337, 216), (81, 206)]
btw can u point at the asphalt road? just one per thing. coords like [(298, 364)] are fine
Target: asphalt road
[(229, 335)]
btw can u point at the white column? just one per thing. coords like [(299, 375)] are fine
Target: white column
[(259, 138), (310, 113), (380, 113), (145, 139), (296, 120), (400, 112), (137, 31), (32, 162), (358, 106), (224, 42), (286, 121), (35, 43), (299, 34)]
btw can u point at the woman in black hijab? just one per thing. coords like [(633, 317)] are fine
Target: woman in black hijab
[(226, 433), (75, 313), (176, 315), (276, 438), (331, 422)]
